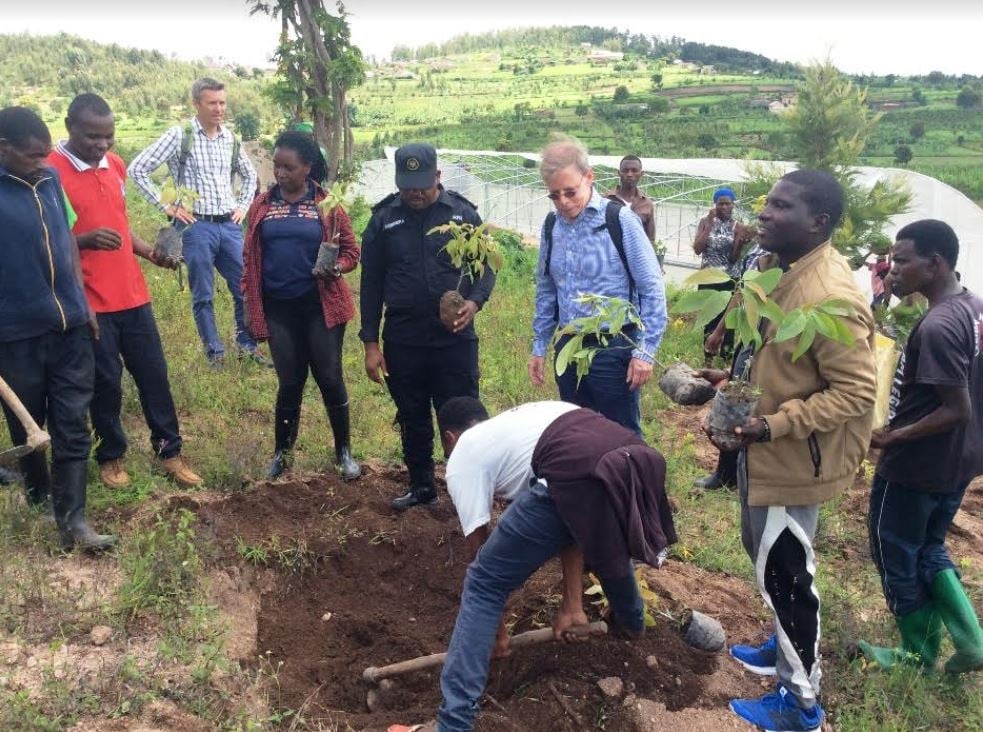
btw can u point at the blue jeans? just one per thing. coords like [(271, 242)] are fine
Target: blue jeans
[(529, 533), (209, 246), (604, 388), (907, 530)]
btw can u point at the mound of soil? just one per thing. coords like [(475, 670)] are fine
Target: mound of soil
[(344, 583)]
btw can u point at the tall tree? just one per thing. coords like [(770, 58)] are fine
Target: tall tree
[(318, 64), (829, 127)]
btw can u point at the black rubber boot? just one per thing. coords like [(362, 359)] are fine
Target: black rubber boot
[(37, 479), (348, 468), (284, 435), (421, 492), (68, 494), (725, 476)]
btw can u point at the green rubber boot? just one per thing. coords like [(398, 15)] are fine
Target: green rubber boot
[(921, 634), (961, 621)]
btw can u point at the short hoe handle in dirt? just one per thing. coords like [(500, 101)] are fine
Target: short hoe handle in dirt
[(373, 675), (37, 438)]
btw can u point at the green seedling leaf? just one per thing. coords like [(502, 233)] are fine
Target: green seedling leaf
[(824, 324), (843, 333), (708, 276), (805, 341), (792, 326), (730, 320), (569, 348), (770, 310), (756, 289), (768, 280), (840, 308), (691, 301), (753, 310), (714, 305)]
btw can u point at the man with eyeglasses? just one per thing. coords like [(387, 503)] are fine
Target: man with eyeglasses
[(405, 268), (580, 254)]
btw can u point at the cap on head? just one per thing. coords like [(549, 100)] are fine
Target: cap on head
[(416, 166), (303, 127)]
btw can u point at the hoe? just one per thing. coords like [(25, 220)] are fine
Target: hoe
[(37, 438)]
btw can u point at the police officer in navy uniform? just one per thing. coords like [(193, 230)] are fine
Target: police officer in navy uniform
[(423, 363)]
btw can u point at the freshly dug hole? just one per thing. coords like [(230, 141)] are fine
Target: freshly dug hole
[(347, 585), (450, 303)]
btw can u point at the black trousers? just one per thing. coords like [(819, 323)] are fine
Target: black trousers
[(53, 376), (300, 341), (421, 378), (130, 338), (727, 347)]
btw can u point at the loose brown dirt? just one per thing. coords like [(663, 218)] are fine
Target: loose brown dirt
[(336, 582)]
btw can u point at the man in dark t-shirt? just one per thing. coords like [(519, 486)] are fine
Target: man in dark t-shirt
[(931, 449)]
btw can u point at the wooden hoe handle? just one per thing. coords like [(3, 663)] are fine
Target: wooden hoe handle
[(373, 675), (37, 438)]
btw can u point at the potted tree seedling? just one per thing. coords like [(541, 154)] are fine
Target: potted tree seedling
[(326, 263), (169, 244), (471, 248), (734, 403)]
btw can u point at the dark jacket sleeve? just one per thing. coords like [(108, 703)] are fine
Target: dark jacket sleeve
[(373, 280)]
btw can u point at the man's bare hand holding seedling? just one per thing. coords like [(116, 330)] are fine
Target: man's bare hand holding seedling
[(180, 213), (465, 315)]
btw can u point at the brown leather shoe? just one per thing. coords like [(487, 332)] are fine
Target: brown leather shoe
[(113, 474), (178, 470)]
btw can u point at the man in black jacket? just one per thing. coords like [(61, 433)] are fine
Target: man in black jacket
[(45, 340), (405, 268)]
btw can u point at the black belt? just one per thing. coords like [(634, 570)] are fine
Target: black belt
[(214, 218)]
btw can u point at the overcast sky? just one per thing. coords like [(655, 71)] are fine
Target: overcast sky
[(861, 36)]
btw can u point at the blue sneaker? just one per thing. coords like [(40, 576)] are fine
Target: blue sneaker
[(779, 712), (758, 659)]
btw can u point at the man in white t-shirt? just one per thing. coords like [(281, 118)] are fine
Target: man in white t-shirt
[(491, 458)]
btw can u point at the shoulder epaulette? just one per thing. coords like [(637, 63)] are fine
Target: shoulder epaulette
[(385, 201), (460, 197)]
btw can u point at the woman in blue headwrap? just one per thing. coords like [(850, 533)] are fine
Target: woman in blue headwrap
[(719, 240)]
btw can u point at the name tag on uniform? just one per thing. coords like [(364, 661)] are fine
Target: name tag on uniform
[(393, 224), (457, 218)]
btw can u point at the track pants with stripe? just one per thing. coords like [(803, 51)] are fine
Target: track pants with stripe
[(778, 539)]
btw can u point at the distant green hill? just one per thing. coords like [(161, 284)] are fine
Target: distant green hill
[(146, 89), (725, 58)]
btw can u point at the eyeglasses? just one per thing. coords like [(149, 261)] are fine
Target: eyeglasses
[(566, 192)]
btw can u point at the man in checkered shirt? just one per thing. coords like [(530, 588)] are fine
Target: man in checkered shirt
[(211, 232)]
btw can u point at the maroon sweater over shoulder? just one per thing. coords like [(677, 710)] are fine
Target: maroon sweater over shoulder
[(609, 489)]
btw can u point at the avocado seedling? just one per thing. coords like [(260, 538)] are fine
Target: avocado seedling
[(169, 242), (326, 264), (747, 310), (471, 248)]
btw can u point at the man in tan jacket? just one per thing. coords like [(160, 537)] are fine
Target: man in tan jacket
[(810, 434)]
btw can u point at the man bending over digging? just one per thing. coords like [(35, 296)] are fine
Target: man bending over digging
[(581, 487)]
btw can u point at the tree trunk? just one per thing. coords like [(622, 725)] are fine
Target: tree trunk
[(328, 121)]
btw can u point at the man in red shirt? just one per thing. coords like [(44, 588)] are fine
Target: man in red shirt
[(94, 180)]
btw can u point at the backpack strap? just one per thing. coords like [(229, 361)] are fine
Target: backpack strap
[(235, 157), (550, 223), (612, 220), (188, 143)]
